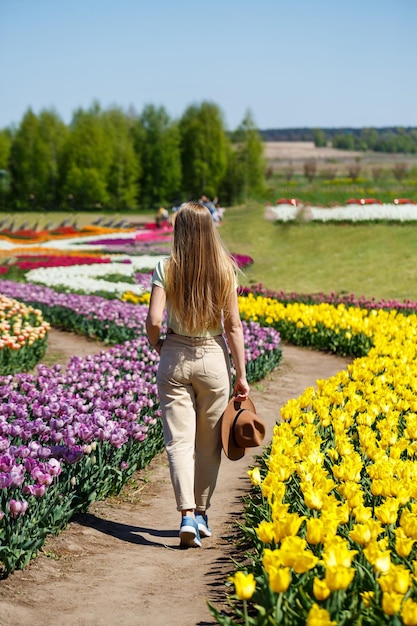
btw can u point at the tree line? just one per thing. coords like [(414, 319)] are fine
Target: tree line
[(386, 139), (116, 159)]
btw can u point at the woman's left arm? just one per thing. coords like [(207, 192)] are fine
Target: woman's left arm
[(155, 316)]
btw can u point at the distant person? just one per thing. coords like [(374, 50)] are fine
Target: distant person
[(211, 205), (197, 285), (162, 217)]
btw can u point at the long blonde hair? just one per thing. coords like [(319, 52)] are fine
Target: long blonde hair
[(200, 275)]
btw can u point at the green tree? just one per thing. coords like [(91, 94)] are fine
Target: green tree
[(24, 160), (319, 138), (344, 141), (249, 159), (123, 174), (88, 158), (53, 133), (5, 147), (232, 187), (35, 156), (160, 155), (370, 137), (204, 150)]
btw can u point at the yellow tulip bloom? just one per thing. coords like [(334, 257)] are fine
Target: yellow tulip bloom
[(387, 512), (312, 497), (271, 559), (338, 577), (367, 597), (408, 522), (337, 554), (352, 491), (375, 528), (403, 544), (319, 617), (303, 562), (245, 585), (255, 476), (361, 534), (411, 428), (391, 602), (362, 513), (335, 511), (279, 579), (397, 579), (367, 418), (290, 524), (332, 453), (283, 525), (272, 489), (315, 531), (380, 559), (409, 612), (282, 469), (349, 469), (294, 553), (266, 532), (320, 589), (401, 579), (401, 491)]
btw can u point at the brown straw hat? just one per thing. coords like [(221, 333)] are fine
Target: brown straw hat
[(241, 428)]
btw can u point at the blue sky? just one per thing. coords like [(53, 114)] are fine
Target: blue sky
[(292, 63)]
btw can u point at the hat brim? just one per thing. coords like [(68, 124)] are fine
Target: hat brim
[(231, 450)]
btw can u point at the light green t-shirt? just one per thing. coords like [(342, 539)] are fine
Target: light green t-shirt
[(158, 279)]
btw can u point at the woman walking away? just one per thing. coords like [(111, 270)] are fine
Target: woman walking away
[(197, 285)]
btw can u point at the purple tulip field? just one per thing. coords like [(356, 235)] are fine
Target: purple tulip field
[(69, 438)]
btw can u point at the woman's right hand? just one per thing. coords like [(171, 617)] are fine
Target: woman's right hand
[(241, 389)]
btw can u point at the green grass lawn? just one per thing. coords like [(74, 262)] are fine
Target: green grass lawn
[(374, 260), (327, 192)]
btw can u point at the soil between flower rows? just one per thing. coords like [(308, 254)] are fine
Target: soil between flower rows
[(120, 563)]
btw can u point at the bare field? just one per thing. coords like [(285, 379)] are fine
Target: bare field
[(282, 153), (303, 150)]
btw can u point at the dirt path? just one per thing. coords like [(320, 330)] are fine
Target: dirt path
[(120, 563)]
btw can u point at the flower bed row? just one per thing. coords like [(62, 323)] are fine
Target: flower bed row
[(357, 212), (350, 201), (64, 232), (349, 300), (339, 329), (23, 333), (332, 520), (34, 251), (30, 262), (93, 278), (111, 321)]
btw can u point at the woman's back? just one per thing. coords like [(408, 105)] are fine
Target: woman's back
[(200, 276)]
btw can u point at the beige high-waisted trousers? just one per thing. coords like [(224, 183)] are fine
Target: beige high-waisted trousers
[(194, 388)]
